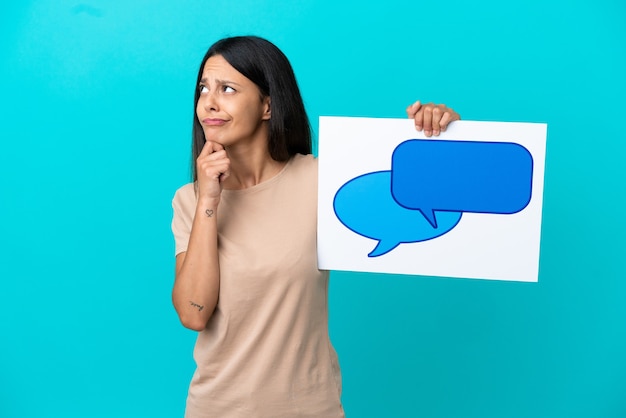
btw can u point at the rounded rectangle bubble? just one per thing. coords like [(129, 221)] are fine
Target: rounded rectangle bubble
[(461, 176)]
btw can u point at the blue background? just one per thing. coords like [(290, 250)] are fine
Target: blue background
[(94, 139)]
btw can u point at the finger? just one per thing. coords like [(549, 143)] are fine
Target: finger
[(413, 109), (224, 171), (445, 120), (214, 160), (418, 118), (437, 114), (451, 116), (225, 174), (215, 156), (428, 120), (214, 169), (207, 149)]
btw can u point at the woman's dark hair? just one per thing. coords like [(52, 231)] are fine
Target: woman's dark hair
[(266, 66)]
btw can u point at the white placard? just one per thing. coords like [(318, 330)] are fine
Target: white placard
[(464, 204)]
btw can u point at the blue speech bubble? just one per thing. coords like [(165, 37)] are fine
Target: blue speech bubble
[(365, 205), (461, 176)]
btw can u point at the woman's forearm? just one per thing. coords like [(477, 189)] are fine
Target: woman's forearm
[(197, 282)]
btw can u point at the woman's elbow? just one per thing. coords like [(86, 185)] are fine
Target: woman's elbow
[(193, 322), (192, 317)]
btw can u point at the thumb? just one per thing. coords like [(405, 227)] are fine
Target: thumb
[(412, 109)]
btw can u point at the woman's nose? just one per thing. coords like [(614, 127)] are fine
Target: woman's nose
[(209, 101)]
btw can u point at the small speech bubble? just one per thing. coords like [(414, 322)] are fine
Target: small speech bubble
[(434, 176), (365, 205)]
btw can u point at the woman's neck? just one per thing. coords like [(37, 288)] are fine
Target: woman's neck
[(250, 166)]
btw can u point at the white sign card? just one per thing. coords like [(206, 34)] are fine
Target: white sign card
[(464, 204)]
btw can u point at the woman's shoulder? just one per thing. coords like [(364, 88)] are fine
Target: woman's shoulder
[(303, 166), (302, 170), (305, 161), (185, 194)]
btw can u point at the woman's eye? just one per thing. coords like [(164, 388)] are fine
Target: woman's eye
[(203, 89), (228, 89)]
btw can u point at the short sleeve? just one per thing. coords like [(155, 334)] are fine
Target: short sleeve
[(184, 205)]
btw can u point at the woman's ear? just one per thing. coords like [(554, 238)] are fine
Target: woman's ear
[(267, 111)]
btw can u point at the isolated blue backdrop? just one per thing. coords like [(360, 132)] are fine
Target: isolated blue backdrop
[(94, 136)]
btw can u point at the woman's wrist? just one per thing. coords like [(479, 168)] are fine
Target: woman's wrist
[(207, 207)]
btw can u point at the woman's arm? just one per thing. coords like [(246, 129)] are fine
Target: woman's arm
[(196, 287)]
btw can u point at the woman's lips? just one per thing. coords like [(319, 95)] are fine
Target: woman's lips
[(213, 122)]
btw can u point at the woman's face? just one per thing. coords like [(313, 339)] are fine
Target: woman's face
[(230, 108)]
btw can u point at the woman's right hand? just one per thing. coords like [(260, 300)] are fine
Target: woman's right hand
[(213, 167)]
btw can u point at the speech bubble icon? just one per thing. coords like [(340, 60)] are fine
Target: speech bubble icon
[(461, 176), (365, 205)]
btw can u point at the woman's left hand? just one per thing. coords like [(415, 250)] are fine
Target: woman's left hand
[(432, 118)]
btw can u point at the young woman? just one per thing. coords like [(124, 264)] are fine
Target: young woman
[(245, 231)]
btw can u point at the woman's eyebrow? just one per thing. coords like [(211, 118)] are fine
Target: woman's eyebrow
[(220, 82)]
